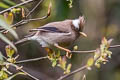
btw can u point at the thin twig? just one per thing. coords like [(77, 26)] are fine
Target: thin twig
[(92, 51), (114, 46), (22, 70), (3, 30), (29, 74), (73, 72), (89, 51), (22, 22), (23, 3), (84, 77), (35, 19), (30, 60), (25, 21), (34, 8), (79, 52)]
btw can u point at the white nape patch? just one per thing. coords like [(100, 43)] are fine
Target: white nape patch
[(76, 23)]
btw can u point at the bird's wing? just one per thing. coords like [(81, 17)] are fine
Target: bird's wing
[(48, 29)]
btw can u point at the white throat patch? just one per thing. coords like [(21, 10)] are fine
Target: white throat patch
[(76, 23)]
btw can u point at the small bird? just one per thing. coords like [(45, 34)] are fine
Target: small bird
[(57, 34)]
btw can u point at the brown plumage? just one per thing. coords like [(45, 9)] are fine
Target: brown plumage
[(61, 33)]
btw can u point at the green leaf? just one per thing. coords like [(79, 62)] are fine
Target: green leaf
[(2, 37), (90, 62), (62, 63), (7, 27), (9, 51), (1, 57), (97, 65), (10, 2), (3, 75), (104, 41), (8, 17), (3, 5), (9, 78), (68, 69), (75, 47), (54, 63), (70, 3), (97, 53), (58, 54)]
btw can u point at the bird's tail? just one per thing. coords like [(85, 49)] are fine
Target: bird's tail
[(21, 41)]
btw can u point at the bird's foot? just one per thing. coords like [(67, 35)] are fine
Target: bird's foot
[(68, 55), (68, 52), (62, 48)]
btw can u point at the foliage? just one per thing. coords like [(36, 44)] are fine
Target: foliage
[(101, 54), (7, 27), (5, 2), (5, 62), (70, 3), (7, 20)]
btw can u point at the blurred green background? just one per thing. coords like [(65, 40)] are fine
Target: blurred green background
[(102, 19)]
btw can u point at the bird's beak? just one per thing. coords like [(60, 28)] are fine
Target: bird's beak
[(83, 34)]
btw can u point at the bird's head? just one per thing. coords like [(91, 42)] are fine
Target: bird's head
[(79, 25)]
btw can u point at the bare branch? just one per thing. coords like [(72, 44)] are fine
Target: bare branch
[(114, 46), (34, 8), (29, 74), (20, 69), (79, 52), (23, 3), (30, 60), (22, 22), (73, 72), (89, 51), (25, 21), (92, 51)]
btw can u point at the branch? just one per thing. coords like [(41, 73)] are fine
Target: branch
[(30, 60), (29, 74), (20, 69), (79, 52), (34, 8), (73, 72), (114, 46), (25, 21), (92, 51), (89, 51), (77, 70), (23, 3)]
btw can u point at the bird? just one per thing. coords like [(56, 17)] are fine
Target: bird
[(58, 34)]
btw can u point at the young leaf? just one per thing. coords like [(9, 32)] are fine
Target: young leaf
[(54, 62), (4, 25), (70, 3), (68, 69), (62, 62), (1, 57), (90, 62), (3, 5), (8, 17), (3, 75), (10, 78), (75, 47), (2, 37), (9, 51), (10, 2)]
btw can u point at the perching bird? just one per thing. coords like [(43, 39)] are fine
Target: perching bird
[(59, 34)]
